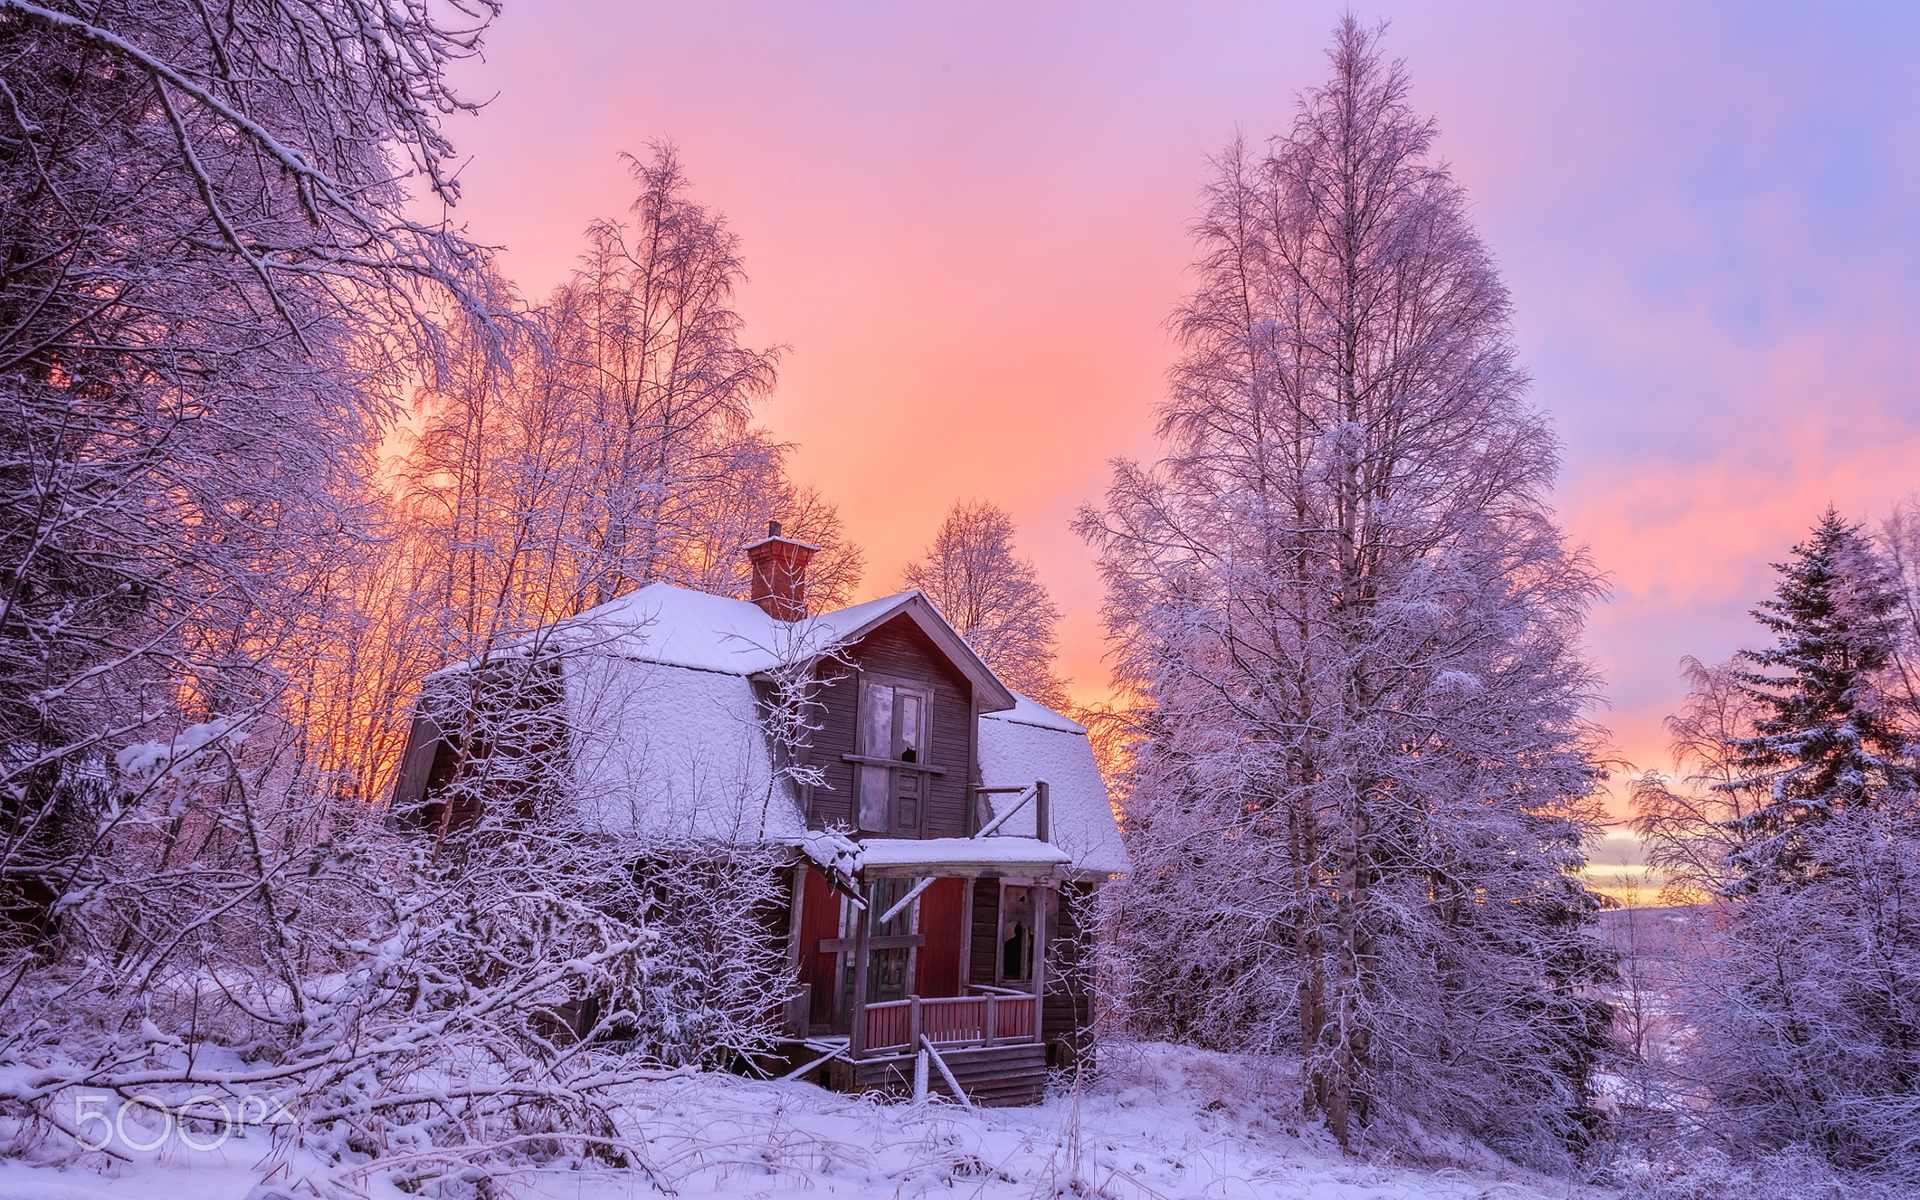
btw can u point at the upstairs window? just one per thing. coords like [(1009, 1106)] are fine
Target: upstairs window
[(892, 728)]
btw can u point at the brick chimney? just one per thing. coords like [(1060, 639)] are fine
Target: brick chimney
[(780, 574)]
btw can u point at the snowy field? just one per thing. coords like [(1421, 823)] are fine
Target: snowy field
[(1163, 1122)]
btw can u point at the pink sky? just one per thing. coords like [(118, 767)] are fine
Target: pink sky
[(968, 223)]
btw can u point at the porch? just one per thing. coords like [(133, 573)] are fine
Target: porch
[(942, 946), (997, 1017)]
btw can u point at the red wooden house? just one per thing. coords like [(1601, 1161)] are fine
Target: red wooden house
[(948, 833)]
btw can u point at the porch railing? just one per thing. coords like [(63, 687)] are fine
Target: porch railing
[(950, 1020)]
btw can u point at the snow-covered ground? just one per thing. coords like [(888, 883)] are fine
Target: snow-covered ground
[(1161, 1122)]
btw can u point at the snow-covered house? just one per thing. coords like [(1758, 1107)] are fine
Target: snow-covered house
[(946, 832)]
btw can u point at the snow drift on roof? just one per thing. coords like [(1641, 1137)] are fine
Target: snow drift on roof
[(1031, 712), (1003, 852), (665, 624), (1015, 751), (664, 751)]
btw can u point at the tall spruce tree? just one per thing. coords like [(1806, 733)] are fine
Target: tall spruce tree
[(1830, 738), (1800, 823)]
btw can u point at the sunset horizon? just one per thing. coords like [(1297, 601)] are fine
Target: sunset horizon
[(970, 232), (1153, 602)]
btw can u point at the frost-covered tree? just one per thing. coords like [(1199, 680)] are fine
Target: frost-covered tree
[(1900, 541), (1796, 820), (210, 623), (613, 445), (993, 598), (1829, 737), (646, 353), (1695, 825), (1360, 774), (210, 285)]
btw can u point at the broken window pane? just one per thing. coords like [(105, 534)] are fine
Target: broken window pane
[(910, 733)]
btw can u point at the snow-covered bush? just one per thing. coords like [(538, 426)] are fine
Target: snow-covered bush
[(438, 998)]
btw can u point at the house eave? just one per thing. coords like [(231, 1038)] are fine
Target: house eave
[(989, 693)]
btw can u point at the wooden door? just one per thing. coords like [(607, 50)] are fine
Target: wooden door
[(819, 969), (937, 972), (888, 971)]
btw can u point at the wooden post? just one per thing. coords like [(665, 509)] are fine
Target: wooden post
[(798, 1006), (863, 922), (952, 1083), (990, 1016), (913, 1019), (999, 932), (1042, 812), (966, 933), (1040, 891)]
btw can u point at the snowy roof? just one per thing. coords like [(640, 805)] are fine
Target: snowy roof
[(1001, 853), (1031, 741), (682, 628), (674, 752), (667, 736), (677, 627), (1027, 711)]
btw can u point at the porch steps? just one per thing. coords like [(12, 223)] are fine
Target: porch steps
[(990, 1075)]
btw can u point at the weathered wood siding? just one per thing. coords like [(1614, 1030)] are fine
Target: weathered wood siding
[(984, 958), (1066, 1013), (897, 649), (937, 964), (819, 921)]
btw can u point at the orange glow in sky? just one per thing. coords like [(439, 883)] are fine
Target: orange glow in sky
[(968, 223)]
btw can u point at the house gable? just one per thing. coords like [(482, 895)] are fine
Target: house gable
[(897, 649)]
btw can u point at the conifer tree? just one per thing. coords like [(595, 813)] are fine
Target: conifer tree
[(1800, 827), (1829, 738)]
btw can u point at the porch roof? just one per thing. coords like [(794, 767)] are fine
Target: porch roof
[(961, 856)]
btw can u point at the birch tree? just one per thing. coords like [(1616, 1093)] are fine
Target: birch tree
[(1361, 773), (613, 446), (993, 598)]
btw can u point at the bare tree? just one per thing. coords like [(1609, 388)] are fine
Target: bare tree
[(1900, 541), (993, 598), (646, 347), (613, 446), (1691, 827), (210, 289), (1361, 773)]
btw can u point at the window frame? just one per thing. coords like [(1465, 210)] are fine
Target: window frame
[(900, 689)]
